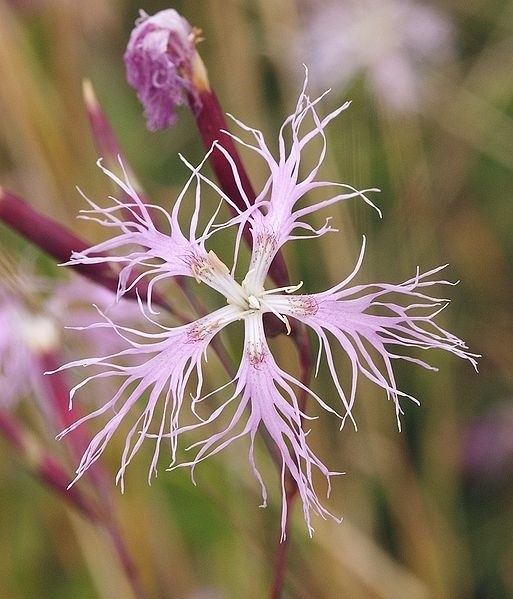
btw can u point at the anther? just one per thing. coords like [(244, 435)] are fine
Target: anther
[(254, 303)]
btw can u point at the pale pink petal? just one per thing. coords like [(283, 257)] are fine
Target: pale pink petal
[(143, 250), (375, 324), (266, 398), (279, 220), (154, 372)]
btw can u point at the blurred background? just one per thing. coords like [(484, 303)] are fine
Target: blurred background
[(428, 513)]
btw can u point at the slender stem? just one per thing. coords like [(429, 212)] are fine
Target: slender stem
[(44, 466), (302, 342), (283, 548), (49, 470), (211, 124), (105, 139), (58, 392), (57, 241), (109, 148), (125, 558)]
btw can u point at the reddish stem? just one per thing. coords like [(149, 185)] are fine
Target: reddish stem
[(211, 123), (44, 466), (50, 472), (109, 148), (105, 139), (58, 242), (79, 441), (291, 490), (283, 546)]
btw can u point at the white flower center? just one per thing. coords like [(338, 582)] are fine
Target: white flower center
[(246, 299), (254, 303), (39, 333)]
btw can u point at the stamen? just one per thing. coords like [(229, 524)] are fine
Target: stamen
[(281, 317), (254, 302), (287, 289), (218, 264)]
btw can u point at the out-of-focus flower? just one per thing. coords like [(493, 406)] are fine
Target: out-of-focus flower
[(373, 324), (24, 335), (33, 312), (487, 449), (159, 64), (391, 43)]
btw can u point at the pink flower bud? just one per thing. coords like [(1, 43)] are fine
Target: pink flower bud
[(158, 61)]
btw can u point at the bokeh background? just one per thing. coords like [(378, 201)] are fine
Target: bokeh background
[(428, 513)]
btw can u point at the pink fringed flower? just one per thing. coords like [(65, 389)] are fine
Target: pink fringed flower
[(371, 323), (158, 63)]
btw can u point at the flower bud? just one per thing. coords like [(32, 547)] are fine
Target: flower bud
[(161, 64)]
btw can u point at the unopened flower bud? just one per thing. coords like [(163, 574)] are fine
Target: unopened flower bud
[(163, 66)]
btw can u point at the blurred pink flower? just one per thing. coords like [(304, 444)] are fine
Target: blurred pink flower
[(373, 324), (487, 444), (391, 43), (158, 63), (33, 313), (24, 335)]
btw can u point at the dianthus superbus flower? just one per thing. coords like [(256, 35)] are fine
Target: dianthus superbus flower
[(373, 324)]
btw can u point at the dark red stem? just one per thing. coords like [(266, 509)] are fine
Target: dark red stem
[(211, 121), (57, 241), (44, 466), (302, 342), (105, 139), (58, 392)]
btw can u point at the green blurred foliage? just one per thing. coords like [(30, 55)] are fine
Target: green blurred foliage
[(416, 523)]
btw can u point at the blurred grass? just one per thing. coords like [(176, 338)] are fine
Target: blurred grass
[(416, 525)]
